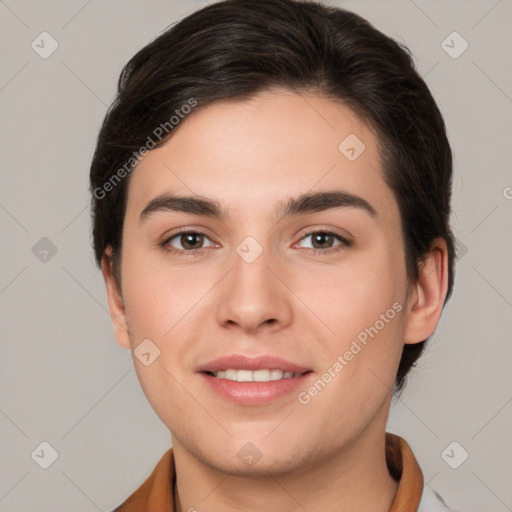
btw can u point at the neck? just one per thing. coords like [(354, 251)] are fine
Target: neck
[(354, 477)]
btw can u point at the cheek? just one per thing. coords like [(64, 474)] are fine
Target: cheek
[(360, 357), (353, 296), (361, 307), (158, 296), (160, 307)]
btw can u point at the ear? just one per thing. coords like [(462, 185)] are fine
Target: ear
[(426, 299), (115, 300)]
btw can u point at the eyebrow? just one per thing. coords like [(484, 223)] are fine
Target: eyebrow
[(305, 203)]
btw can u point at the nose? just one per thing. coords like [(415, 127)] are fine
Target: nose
[(252, 297)]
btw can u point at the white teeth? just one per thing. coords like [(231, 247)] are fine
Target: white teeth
[(276, 374), (261, 375), (243, 375), (254, 376), (230, 374)]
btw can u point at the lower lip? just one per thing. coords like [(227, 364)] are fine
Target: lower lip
[(255, 393)]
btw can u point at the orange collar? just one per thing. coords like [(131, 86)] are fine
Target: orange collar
[(156, 493)]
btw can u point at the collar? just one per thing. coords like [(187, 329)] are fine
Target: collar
[(156, 493)]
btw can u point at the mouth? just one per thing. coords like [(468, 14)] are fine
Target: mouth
[(264, 375), (254, 381)]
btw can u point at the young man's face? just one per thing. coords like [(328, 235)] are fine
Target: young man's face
[(321, 285)]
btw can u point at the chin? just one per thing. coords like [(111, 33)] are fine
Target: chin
[(256, 455), (248, 462)]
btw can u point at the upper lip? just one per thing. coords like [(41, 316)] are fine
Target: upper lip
[(241, 362)]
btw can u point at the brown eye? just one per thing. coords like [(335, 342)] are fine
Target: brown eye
[(188, 241), (191, 240), (323, 241)]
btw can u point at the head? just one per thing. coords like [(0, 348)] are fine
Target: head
[(273, 120)]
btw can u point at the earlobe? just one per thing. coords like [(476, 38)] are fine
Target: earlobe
[(115, 301), (427, 298)]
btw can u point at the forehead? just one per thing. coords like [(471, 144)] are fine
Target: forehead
[(255, 152)]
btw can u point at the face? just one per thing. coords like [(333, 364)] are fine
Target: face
[(286, 254)]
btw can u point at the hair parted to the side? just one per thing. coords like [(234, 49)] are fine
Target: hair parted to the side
[(236, 48)]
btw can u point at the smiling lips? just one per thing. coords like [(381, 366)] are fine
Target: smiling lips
[(253, 381), (265, 375)]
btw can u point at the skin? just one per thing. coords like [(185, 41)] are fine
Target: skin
[(249, 156)]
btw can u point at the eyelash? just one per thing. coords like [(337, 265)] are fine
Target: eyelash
[(344, 243)]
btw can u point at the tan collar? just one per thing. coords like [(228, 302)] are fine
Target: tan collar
[(404, 467)]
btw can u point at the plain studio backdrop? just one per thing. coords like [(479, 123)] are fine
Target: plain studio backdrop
[(64, 380)]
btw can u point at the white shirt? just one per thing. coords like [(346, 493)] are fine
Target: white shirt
[(431, 501)]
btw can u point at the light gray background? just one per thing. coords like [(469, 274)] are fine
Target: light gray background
[(64, 380)]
